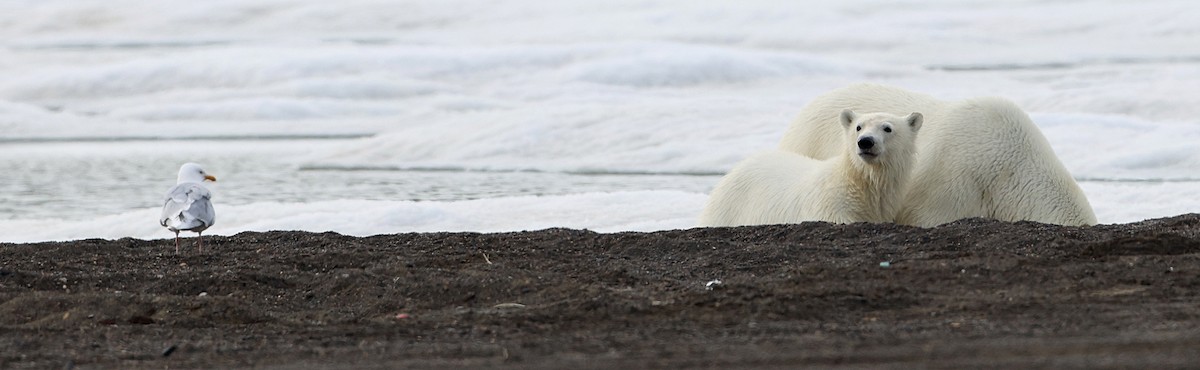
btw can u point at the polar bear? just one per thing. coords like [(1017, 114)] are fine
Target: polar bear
[(976, 158), (864, 183)]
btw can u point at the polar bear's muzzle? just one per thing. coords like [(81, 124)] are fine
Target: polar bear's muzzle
[(866, 147)]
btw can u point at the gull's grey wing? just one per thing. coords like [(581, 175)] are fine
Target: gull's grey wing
[(187, 206), (202, 210)]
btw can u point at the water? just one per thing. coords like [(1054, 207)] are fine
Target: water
[(76, 180)]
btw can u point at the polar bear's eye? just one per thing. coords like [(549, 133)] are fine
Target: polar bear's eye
[(859, 128), (887, 129)]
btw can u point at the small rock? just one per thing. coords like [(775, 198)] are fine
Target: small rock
[(712, 284), (203, 294)]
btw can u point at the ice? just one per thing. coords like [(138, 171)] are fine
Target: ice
[(1096, 147), (674, 65), (1123, 202), (561, 90)]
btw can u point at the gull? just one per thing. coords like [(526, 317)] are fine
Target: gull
[(188, 205)]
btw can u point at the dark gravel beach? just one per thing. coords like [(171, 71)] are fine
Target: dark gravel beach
[(974, 293)]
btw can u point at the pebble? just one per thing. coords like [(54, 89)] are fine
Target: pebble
[(712, 284)]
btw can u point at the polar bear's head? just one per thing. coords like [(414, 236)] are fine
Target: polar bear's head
[(879, 137)]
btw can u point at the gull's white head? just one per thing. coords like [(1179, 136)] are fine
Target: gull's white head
[(191, 172)]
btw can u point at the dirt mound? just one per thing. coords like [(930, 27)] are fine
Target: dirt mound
[(973, 293)]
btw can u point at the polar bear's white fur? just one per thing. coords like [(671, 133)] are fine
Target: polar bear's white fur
[(864, 182), (976, 158)]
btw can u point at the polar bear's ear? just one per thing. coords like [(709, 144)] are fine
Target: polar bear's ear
[(848, 117), (914, 121)]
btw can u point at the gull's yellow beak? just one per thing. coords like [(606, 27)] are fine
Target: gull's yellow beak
[(210, 178)]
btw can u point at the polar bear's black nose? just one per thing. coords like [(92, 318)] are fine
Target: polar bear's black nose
[(866, 143)]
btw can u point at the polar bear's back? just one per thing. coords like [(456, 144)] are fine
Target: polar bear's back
[(771, 187), (988, 159), (815, 131)]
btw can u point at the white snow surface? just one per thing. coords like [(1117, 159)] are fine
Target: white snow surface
[(608, 87)]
